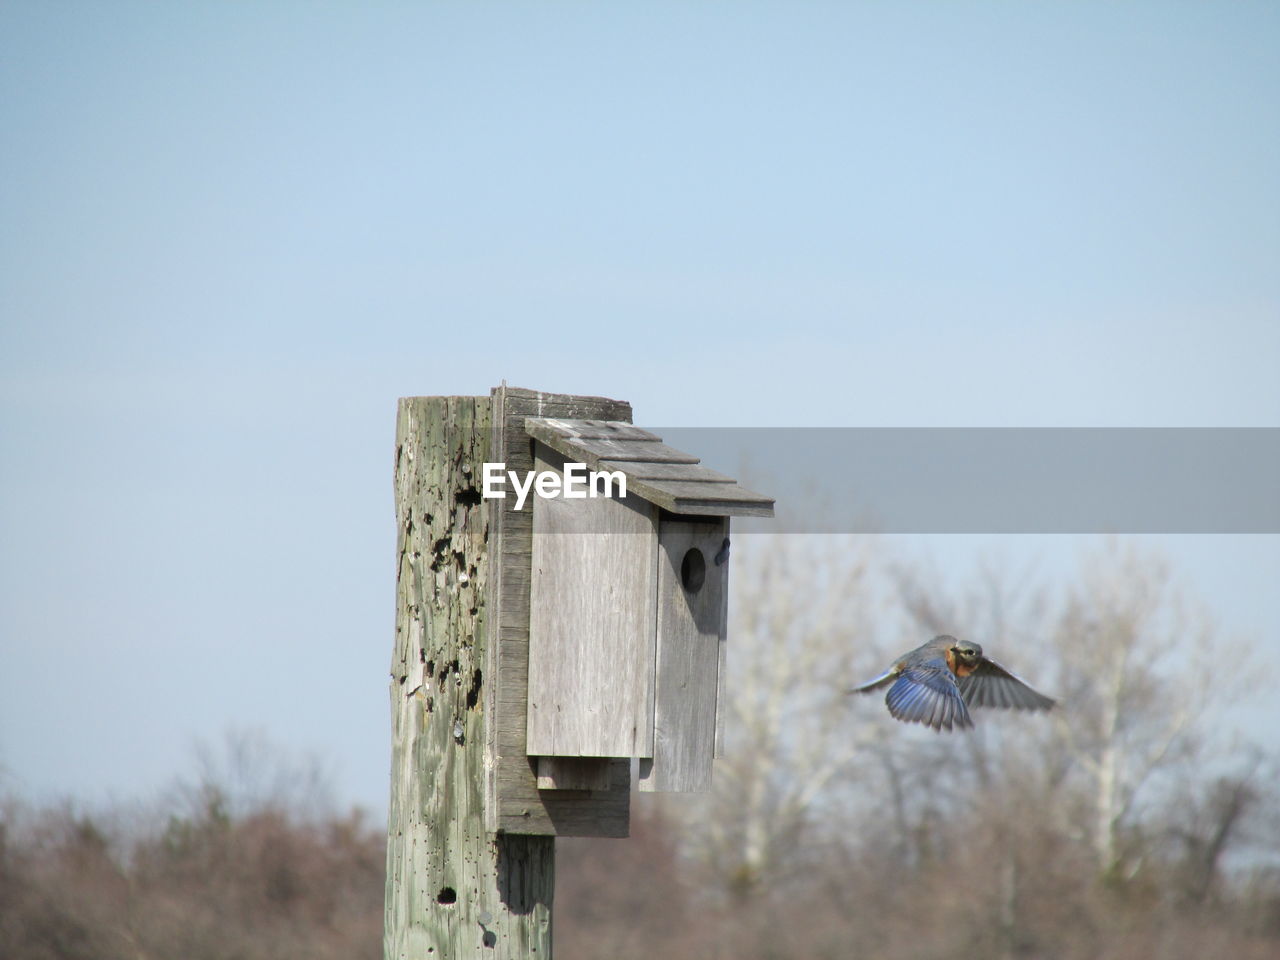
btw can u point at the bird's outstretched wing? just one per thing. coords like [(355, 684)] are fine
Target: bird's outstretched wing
[(991, 685), (926, 692), (890, 674)]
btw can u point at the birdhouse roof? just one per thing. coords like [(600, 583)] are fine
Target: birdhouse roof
[(662, 475)]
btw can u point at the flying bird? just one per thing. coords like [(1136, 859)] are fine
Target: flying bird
[(937, 683)]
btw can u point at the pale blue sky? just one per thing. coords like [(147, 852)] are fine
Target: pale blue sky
[(231, 235)]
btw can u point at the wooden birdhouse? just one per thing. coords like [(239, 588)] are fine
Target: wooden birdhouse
[(627, 605), (561, 588)]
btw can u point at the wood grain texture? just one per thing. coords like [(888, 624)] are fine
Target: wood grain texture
[(641, 470), (703, 499), (587, 430), (573, 773), (662, 475), (516, 806), (722, 696), (591, 624), (690, 642), (453, 888), (559, 437)]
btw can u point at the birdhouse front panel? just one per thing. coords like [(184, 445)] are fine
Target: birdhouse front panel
[(591, 624)]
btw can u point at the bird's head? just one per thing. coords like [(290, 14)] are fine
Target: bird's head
[(965, 653)]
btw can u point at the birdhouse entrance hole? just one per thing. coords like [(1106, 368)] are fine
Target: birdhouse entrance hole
[(693, 570)]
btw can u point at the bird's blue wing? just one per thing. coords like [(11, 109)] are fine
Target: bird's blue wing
[(878, 682), (926, 692), (991, 685)]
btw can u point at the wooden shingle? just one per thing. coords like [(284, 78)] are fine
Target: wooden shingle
[(662, 475)]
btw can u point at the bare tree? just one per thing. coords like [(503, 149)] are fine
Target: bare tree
[(246, 773), (1216, 816), (1136, 664)]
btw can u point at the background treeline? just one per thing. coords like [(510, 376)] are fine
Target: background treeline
[(1128, 823)]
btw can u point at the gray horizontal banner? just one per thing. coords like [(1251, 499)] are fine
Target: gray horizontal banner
[(1000, 480)]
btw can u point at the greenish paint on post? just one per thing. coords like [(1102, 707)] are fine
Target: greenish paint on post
[(453, 888)]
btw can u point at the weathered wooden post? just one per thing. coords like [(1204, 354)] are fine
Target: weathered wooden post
[(454, 889), (541, 645)]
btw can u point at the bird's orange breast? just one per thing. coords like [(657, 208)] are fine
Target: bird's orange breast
[(958, 667)]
